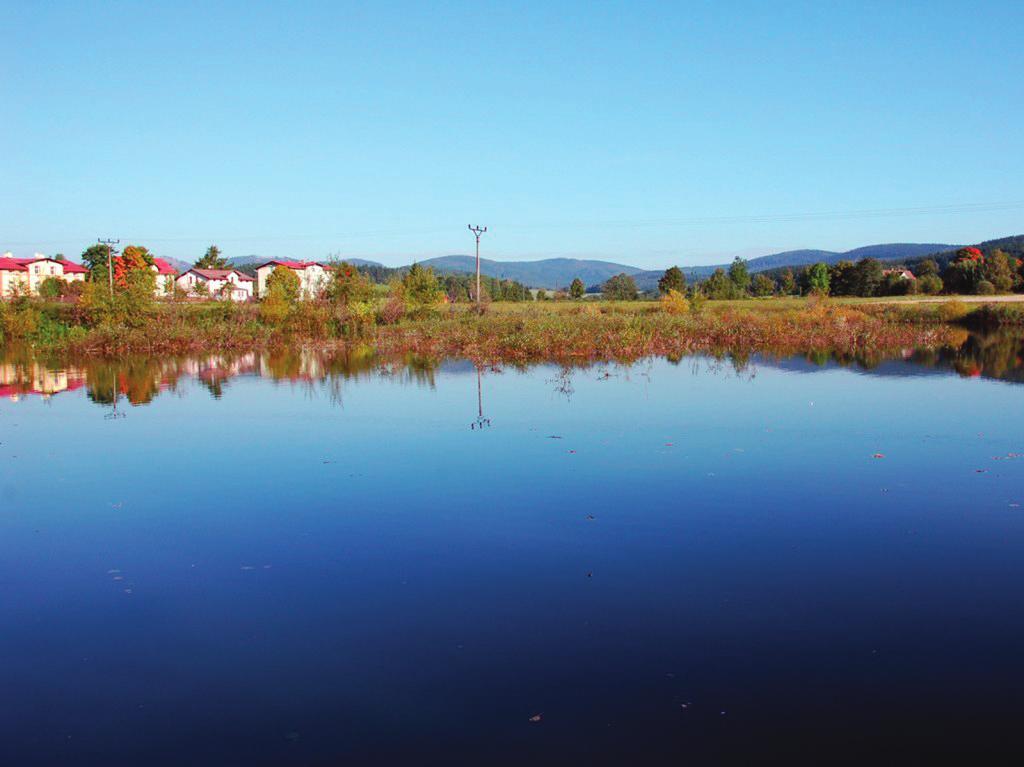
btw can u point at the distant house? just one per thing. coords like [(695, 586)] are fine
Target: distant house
[(27, 274), (903, 274), (229, 284), (165, 275), (312, 276)]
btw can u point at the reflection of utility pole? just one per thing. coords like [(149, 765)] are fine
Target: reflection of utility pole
[(477, 231), (113, 390), (480, 421), (110, 263)]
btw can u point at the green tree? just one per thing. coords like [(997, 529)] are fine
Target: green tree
[(718, 287), (842, 279), (869, 277), (997, 270), (621, 287), (53, 287), (927, 267), (283, 284), (762, 285), (212, 259), (94, 258), (966, 271), (542, 295), (739, 275), (929, 284), (420, 290), (787, 283), (818, 278), (577, 289), (673, 279)]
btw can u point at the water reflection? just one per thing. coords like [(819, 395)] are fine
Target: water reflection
[(139, 380)]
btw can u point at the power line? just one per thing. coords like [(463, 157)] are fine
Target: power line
[(767, 218)]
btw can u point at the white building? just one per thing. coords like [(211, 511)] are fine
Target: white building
[(219, 283), (313, 276), (27, 274)]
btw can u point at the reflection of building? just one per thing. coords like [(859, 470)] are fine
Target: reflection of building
[(35, 379), (219, 283), (25, 275), (312, 276)]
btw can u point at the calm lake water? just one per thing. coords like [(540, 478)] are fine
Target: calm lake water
[(294, 560)]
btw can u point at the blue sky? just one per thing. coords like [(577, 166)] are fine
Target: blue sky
[(647, 133)]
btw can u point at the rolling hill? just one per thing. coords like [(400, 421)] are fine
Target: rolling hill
[(554, 273), (648, 280)]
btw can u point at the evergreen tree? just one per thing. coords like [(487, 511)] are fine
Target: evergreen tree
[(212, 259), (673, 279), (739, 275)]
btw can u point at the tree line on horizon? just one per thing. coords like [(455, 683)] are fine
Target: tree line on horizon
[(970, 271)]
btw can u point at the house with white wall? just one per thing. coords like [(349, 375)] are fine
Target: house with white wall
[(218, 283), (165, 276), (27, 274), (313, 276)]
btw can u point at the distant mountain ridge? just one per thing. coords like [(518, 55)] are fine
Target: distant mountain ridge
[(548, 273), (892, 251), (555, 273)]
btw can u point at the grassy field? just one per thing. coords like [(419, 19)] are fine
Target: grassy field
[(555, 330)]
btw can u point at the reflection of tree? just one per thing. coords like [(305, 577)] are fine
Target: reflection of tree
[(137, 378), (998, 355), (992, 354)]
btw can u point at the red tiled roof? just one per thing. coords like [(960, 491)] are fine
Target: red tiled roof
[(70, 267), (162, 267), (291, 264), (12, 265), (221, 274), (212, 274)]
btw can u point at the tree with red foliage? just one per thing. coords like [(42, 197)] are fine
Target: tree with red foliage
[(132, 258)]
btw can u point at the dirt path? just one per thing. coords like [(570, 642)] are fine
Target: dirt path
[(1008, 299)]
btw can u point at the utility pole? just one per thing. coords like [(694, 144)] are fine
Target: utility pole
[(477, 231), (110, 263)]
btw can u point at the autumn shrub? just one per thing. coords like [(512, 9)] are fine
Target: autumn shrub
[(310, 319), (348, 285), (986, 288), (392, 310), (675, 302)]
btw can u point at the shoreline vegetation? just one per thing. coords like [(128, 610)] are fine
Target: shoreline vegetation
[(421, 313), (555, 331)]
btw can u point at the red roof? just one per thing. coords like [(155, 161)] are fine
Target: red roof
[(291, 264), (212, 274), (162, 267), (21, 264), (221, 274), (12, 265)]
